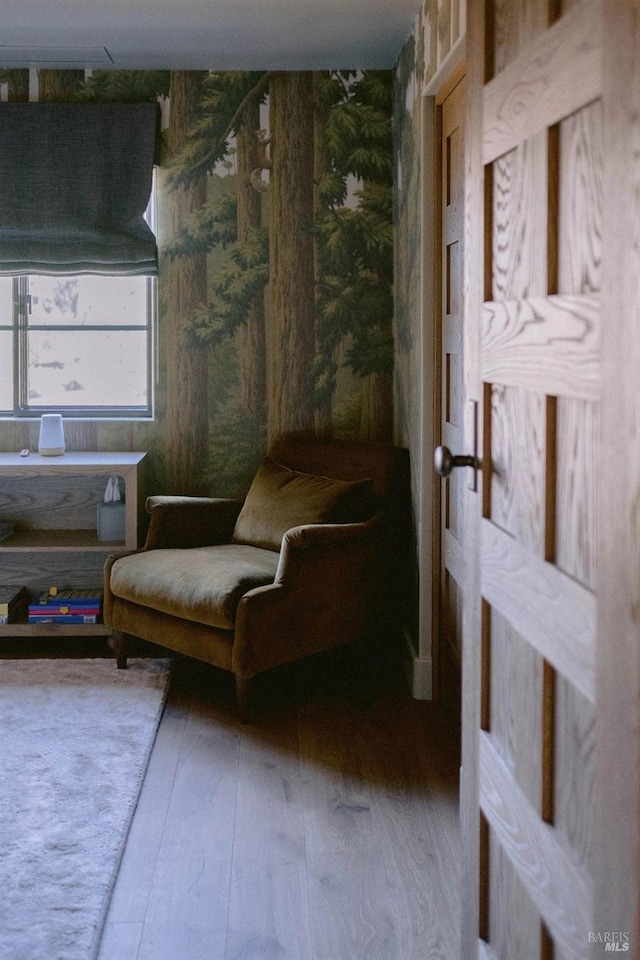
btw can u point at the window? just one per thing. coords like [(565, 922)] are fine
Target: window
[(77, 345)]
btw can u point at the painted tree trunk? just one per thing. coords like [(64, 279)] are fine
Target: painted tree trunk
[(376, 420), (321, 166), (291, 339), (57, 86), (17, 85), (251, 336), (187, 416)]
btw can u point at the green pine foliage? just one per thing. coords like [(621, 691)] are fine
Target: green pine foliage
[(213, 225), (241, 280), (125, 86), (244, 274), (221, 115), (355, 231)]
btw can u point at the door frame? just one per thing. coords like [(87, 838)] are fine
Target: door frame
[(424, 673)]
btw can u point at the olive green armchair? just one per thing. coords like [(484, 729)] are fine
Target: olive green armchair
[(312, 558)]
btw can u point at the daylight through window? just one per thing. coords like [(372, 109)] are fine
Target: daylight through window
[(77, 345)]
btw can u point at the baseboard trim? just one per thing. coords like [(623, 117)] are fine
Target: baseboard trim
[(418, 671)]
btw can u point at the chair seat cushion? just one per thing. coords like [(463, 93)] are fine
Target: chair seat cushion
[(203, 584)]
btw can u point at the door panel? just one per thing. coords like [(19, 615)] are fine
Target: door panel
[(518, 428), (574, 770), (580, 201), (533, 253), (514, 928), (578, 427), (516, 704)]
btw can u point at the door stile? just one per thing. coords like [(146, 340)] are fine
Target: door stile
[(617, 781)]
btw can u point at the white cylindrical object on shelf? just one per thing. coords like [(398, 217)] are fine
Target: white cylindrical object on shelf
[(51, 441)]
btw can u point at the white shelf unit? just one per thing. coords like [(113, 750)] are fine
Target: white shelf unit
[(52, 502)]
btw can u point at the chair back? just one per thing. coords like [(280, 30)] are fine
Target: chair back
[(388, 467)]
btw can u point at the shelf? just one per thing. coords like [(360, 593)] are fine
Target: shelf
[(54, 630), (62, 493), (13, 465), (52, 503), (42, 540)]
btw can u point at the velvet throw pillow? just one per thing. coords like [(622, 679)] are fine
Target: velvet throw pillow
[(280, 498)]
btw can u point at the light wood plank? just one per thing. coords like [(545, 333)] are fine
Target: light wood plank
[(367, 737), (554, 882), (550, 611), (557, 74), (414, 813), (343, 852), (547, 344), (201, 819), (269, 902), (134, 884)]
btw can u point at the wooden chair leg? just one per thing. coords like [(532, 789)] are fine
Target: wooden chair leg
[(243, 695), (119, 642)]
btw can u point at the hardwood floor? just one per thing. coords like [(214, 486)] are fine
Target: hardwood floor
[(326, 830)]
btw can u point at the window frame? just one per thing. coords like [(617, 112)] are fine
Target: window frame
[(20, 330)]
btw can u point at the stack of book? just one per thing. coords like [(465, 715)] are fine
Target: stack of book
[(13, 604), (66, 606)]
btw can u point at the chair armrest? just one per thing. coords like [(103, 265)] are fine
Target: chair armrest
[(335, 545), (107, 597), (323, 595), (190, 521)]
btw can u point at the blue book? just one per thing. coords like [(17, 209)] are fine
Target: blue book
[(63, 618)]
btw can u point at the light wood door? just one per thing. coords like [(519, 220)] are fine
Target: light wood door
[(452, 379), (551, 624)]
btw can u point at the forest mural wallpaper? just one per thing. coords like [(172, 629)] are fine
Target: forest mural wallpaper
[(276, 265)]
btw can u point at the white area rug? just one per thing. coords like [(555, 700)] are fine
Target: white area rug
[(75, 739)]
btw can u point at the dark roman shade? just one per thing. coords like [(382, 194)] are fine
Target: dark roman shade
[(75, 181)]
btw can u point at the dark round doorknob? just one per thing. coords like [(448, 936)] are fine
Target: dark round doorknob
[(444, 461)]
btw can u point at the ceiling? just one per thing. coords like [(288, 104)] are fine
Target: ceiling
[(205, 34)]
